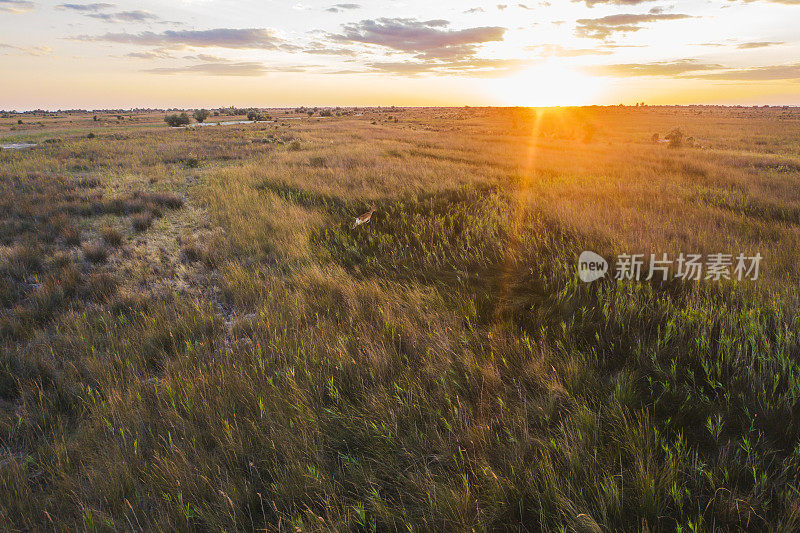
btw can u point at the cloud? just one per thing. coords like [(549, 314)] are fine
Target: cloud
[(784, 2), (86, 7), (157, 53), (592, 3), (341, 7), (766, 73), (325, 51), (657, 68), (241, 68), (428, 39), (220, 66), (604, 27), (125, 16), (31, 50), (691, 68), (556, 50), (245, 38), (474, 67), (759, 44), (16, 6)]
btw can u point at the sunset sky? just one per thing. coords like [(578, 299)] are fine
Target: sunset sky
[(211, 53)]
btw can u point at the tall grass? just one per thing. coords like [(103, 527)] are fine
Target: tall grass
[(441, 367)]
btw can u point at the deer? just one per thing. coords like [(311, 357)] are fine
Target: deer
[(363, 219)]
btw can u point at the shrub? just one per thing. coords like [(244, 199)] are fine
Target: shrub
[(655, 137), (177, 120), (142, 221), (294, 146), (91, 136), (201, 114), (317, 162)]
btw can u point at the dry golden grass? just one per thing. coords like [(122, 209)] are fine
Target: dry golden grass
[(248, 360)]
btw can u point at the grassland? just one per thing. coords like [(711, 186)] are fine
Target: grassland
[(194, 337)]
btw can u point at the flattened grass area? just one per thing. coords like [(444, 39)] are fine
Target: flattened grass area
[(247, 360)]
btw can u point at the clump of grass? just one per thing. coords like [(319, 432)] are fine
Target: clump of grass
[(317, 162), (71, 235), (95, 252), (111, 236), (191, 249), (294, 146), (100, 286), (142, 221)]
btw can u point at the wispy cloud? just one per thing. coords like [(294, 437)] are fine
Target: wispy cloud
[(220, 66), (557, 50), (592, 3), (29, 50), (604, 27), (98, 6), (16, 6), (244, 38), (784, 2), (126, 16), (240, 68), (758, 44), (475, 67), (343, 7), (789, 72), (656, 68)]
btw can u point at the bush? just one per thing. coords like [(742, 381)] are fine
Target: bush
[(91, 136), (201, 114), (177, 120), (294, 146)]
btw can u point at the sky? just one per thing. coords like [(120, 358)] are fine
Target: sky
[(269, 53)]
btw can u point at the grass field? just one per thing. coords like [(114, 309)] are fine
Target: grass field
[(194, 337)]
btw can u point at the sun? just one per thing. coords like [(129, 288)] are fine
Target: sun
[(546, 84)]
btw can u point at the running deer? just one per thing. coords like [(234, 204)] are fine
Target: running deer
[(363, 219)]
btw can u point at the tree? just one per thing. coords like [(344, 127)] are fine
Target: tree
[(256, 116), (177, 120), (201, 114)]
